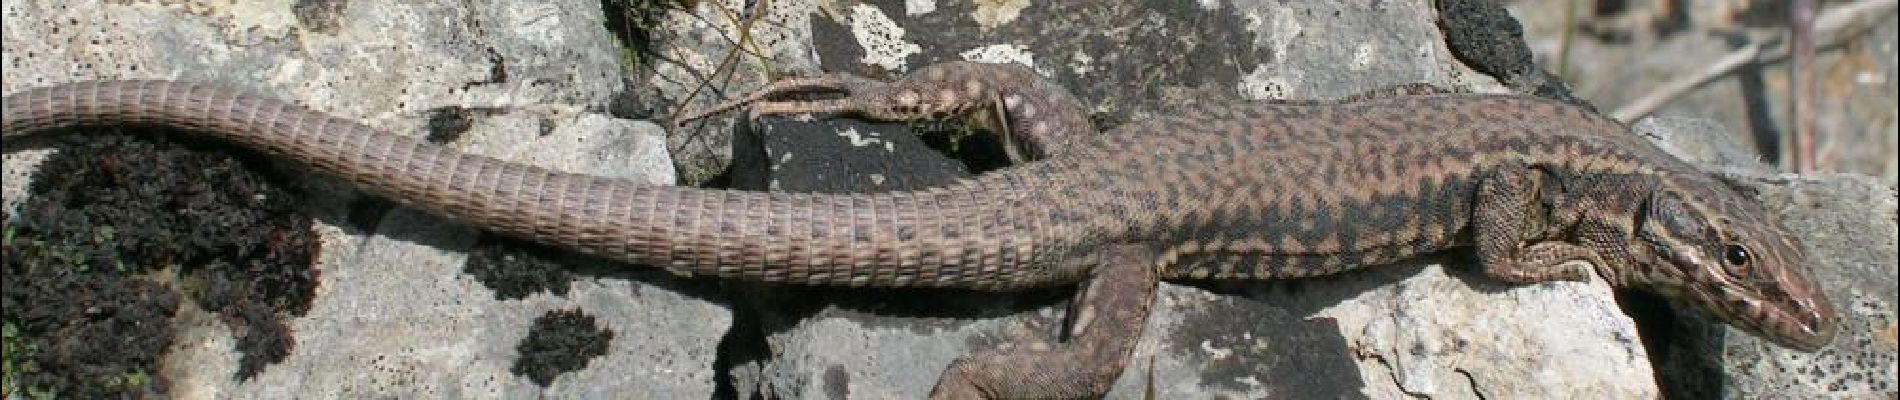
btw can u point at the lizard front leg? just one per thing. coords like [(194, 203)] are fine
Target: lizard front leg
[(1106, 321), (1516, 218)]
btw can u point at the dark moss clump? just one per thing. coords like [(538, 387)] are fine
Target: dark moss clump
[(560, 341), (76, 325), (108, 221), (516, 268)]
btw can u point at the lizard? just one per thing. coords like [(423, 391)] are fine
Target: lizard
[(1538, 190)]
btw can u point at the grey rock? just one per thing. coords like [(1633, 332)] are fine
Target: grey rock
[(838, 156), (1628, 52), (395, 316), (1453, 335), (1425, 330), (1699, 140), (698, 46), (1848, 223), (881, 343)]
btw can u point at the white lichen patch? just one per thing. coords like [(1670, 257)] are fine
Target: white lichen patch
[(861, 139), (919, 7), (882, 39), (1216, 352), (993, 13), (1362, 56), (1283, 30), (1004, 54), (1081, 63), (262, 18), (1262, 84)]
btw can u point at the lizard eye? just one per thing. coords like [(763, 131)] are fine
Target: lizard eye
[(1736, 255)]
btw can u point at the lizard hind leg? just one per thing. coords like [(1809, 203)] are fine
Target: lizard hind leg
[(1106, 321), (1035, 118), (936, 91), (782, 87)]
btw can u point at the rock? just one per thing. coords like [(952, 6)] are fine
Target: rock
[(1613, 59), (1427, 330), (396, 318), (395, 315), (837, 156), (1260, 339), (878, 343), (1848, 223), (1700, 141), (1455, 334), (1405, 330)]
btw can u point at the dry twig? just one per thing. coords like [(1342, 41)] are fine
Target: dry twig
[(1832, 29)]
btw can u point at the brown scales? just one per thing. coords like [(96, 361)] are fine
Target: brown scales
[(1264, 190)]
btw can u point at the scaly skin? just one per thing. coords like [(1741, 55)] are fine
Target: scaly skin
[(1247, 191)]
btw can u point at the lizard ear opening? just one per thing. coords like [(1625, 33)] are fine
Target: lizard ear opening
[(1667, 211), (1672, 230)]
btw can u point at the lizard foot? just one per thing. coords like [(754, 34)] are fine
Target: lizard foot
[(1106, 321), (1548, 261)]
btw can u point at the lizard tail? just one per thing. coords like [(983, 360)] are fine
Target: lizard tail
[(963, 236)]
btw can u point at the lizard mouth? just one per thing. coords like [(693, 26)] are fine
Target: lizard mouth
[(1804, 326)]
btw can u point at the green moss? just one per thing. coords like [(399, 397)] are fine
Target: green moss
[(16, 355)]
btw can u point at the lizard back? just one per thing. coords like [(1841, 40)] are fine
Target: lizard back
[(1262, 190)]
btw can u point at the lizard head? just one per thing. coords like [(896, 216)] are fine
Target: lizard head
[(1718, 250)]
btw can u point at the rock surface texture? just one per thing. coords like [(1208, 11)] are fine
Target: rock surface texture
[(396, 315)]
